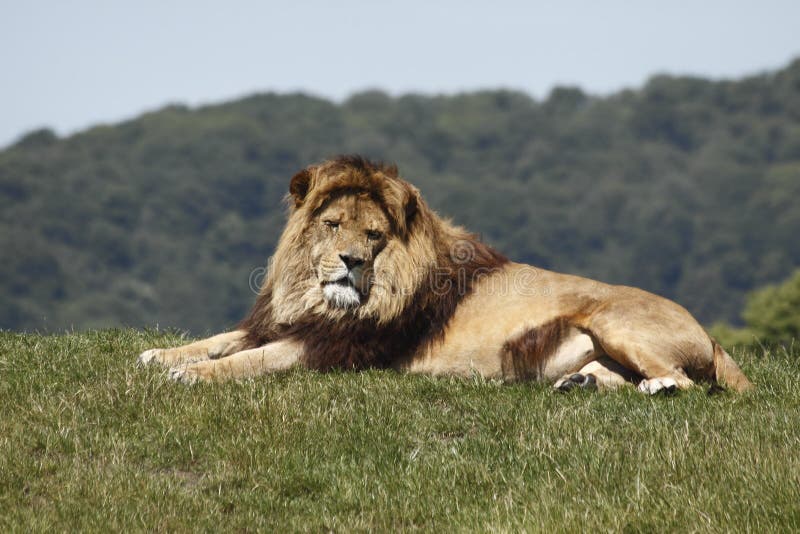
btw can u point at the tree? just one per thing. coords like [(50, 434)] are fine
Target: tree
[(771, 315), (773, 312)]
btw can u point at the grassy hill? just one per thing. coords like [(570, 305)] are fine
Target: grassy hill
[(686, 187), (90, 442)]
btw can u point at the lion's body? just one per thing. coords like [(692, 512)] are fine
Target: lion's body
[(366, 275)]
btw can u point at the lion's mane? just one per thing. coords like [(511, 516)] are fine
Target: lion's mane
[(427, 267)]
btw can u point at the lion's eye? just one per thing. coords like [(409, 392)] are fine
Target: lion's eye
[(333, 225), (374, 235)]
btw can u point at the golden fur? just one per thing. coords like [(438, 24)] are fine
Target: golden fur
[(367, 275)]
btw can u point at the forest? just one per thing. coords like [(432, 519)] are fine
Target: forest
[(686, 187)]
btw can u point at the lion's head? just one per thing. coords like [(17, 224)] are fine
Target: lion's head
[(355, 243)]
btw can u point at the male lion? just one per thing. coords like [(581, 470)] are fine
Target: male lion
[(367, 275)]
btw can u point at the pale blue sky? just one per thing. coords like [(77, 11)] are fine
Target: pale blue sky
[(69, 64)]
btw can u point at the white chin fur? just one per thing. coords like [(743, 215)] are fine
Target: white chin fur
[(340, 296)]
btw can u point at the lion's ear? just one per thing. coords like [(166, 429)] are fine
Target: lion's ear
[(410, 205), (299, 186)]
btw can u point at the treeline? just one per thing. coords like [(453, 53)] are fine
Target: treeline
[(686, 187)]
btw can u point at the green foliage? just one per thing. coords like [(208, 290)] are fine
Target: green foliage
[(686, 187), (771, 314), (90, 442)]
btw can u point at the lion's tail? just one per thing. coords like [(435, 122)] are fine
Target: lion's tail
[(727, 372)]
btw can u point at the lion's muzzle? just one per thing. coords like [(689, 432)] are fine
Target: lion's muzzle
[(341, 288)]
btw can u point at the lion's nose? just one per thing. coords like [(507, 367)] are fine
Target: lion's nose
[(351, 261)]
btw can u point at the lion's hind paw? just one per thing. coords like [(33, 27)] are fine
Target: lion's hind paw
[(653, 386), (568, 383)]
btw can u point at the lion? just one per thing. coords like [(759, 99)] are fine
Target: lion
[(366, 275)]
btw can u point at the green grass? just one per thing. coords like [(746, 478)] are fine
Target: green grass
[(88, 441)]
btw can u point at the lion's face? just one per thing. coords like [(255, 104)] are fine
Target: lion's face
[(348, 233), (358, 245)]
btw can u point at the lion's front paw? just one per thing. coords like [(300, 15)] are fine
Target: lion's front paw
[(149, 357), (191, 374)]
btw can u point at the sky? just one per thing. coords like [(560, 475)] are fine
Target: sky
[(70, 64)]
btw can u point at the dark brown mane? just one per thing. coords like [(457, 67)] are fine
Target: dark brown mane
[(358, 344), (353, 342)]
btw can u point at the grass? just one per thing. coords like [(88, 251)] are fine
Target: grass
[(88, 441)]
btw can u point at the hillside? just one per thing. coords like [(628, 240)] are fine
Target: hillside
[(686, 187)]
